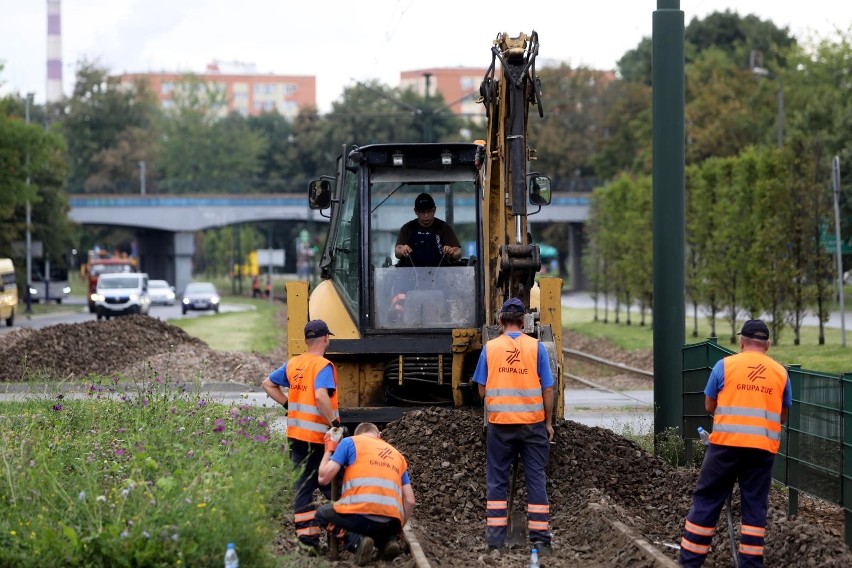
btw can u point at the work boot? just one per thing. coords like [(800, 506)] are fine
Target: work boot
[(391, 549), (364, 554), (544, 548)]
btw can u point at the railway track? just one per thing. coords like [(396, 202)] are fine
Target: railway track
[(641, 373)]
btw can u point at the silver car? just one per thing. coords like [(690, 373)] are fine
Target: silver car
[(161, 293), (200, 296)]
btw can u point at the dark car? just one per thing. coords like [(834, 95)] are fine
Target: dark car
[(200, 296)]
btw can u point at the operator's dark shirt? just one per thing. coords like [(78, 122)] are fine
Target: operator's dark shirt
[(426, 242)]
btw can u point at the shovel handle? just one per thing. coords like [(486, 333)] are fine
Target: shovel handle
[(333, 541)]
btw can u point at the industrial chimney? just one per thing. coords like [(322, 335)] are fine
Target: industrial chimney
[(54, 51)]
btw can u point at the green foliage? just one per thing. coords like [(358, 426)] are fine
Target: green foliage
[(256, 330), (109, 129), (147, 477)]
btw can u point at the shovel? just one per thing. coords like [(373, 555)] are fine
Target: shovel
[(516, 533)]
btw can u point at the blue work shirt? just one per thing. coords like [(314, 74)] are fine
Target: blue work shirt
[(323, 380), (716, 383), (345, 455), (542, 365)]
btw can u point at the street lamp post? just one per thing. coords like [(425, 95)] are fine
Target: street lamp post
[(835, 178), (142, 177), (29, 219)]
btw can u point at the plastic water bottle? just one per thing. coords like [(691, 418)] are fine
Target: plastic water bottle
[(534, 562), (704, 435), (231, 560)]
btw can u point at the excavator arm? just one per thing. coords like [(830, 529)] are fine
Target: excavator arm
[(507, 91)]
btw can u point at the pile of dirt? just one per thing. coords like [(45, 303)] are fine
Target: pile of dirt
[(132, 347), (593, 476)]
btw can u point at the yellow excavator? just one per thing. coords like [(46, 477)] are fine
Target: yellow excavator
[(391, 355)]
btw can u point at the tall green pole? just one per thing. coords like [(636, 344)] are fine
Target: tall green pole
[(668, 210)]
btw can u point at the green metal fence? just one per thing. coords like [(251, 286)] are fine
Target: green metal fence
[(816, 443)]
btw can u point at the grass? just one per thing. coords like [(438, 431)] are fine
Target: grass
[(151, 477), (828, 358), (255, 330)]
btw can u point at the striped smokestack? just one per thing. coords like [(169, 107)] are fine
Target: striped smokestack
[(54, 51)]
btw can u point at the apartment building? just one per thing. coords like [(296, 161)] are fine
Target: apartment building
[(245, 90), (459, 87)]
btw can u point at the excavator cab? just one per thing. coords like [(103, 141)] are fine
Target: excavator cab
[(374, 200)]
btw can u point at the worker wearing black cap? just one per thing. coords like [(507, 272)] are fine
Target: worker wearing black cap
[(514, 378), (426, 240), (749, 395), (311, 400)]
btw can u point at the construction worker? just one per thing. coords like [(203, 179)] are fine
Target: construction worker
[(255, 286), (377, 498), (426, 240), (749, 395), (311, 400), (514, 378)]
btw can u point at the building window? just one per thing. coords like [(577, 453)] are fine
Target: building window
[(289, 89), (167, 88), (468, 83)]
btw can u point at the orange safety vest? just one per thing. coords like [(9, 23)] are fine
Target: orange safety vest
[(748, 410), (304, 421), (513, 388), (372, 485)]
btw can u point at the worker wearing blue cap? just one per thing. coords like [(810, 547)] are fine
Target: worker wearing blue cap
[(514, 378)]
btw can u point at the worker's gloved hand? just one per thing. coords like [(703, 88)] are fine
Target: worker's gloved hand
[(331, 439)]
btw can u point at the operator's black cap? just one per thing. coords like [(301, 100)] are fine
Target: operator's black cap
[(316, 328), (755, 329), (424, 202), (513, 305)]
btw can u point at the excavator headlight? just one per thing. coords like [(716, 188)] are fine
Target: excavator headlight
[(446, 158), (397, 159)]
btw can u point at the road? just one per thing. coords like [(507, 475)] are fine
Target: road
[(80, 314), (584, 300)]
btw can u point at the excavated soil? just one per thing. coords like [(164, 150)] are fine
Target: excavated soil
[(134, 347), (596, 479)]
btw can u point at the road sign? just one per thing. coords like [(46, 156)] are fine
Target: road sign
[(19, 249)]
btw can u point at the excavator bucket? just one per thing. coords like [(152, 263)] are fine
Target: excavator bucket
[(516, 534)]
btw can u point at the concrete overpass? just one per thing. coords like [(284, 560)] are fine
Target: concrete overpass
[(165, 224)]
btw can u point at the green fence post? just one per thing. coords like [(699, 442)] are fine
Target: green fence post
[(669, 311), (846, 444), (794, 420)]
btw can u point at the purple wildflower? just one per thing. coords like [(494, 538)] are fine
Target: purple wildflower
[(202, 403), (219, 425), (57, 407), (119, 452), (260, 438)]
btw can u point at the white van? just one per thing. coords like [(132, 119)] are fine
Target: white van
[(121, 293), (8, 291)]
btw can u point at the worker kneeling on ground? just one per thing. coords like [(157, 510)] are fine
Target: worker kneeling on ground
[(376, 496), (749, 395), (513, 375)]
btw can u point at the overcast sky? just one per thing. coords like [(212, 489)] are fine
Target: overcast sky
[(340, 41)]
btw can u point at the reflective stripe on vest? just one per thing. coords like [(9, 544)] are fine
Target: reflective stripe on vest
[(513, 387), (372, 485), (748, 411), (304, 421)]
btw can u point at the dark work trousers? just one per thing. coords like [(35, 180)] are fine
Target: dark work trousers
[(503, 442), (723, 465), (380, 529), (307, 457)]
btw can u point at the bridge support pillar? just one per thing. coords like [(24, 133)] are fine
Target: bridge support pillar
[(577, 277), (184, 247)]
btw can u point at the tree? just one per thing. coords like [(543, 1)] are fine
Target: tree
[(108, 129), (571, 132), (204, 151), (32, 170)]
